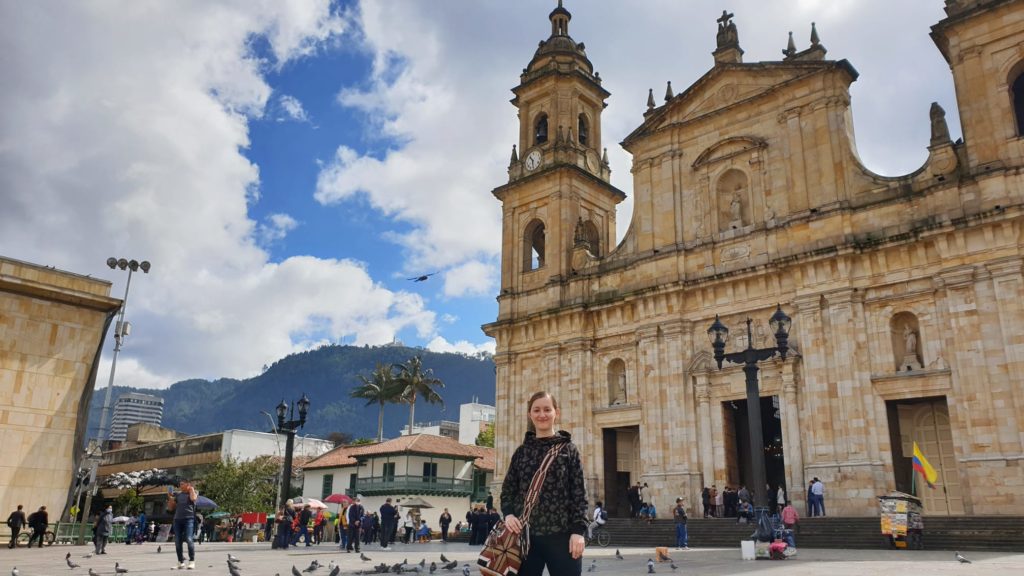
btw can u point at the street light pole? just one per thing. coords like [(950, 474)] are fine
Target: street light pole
[(289, 428), (718, 333), (121, 330)]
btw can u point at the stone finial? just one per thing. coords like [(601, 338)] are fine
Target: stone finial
[(561, 135), (668, 91), (727, 37), (570, 135), (515, 156), (815, 41), (790, 47), (940, 130), (650, 99), (604, 158)]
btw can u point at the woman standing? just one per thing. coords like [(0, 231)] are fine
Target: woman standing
[(183, 504), (559, 518)]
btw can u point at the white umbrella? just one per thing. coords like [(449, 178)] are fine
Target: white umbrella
[(121, 520), (313, 503)]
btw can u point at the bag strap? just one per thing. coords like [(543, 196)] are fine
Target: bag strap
[(538, 480)]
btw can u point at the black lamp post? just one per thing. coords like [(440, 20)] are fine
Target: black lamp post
[(749, 358), (289, 428)]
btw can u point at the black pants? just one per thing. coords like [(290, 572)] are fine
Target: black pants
[(16, 531), (37, 533), (353, 536), (551, 550), (385, 533), (444, 532)]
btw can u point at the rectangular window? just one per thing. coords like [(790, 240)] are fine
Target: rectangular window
[(328, 486), (389, 472), (430, 471)]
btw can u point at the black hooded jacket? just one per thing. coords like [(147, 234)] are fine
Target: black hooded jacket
[(562, 504)]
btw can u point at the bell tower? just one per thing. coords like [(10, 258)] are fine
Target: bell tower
[(558, 199)]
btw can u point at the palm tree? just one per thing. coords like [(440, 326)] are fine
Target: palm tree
[(380, 388), (414, 382)]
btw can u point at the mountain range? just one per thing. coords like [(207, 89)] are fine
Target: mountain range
[(327, 375)]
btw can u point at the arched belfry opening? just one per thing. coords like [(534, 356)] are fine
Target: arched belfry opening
[(1017, 96), (540, 129), (533, 246), (583, 130)]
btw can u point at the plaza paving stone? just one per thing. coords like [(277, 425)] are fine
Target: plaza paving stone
[(260, 560)]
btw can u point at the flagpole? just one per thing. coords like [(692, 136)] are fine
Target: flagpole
[(913, 478)]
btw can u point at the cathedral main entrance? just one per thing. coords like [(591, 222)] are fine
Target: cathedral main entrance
[(621, 467), (925, 421), (736, 432)]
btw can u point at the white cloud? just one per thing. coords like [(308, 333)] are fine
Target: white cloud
[(292, 108), (276, 228), (439, 344), (474, 278), (121, 131)]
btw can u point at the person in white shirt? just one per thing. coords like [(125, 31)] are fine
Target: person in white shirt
[(599, 519), (817, 498)]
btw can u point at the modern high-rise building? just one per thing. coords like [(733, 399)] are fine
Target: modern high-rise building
[(132, 408)]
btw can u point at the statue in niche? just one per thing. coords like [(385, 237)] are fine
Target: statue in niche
[(620, 395), (911, 360), (736, 212)]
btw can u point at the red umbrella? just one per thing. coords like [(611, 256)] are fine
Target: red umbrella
[(338, 499)]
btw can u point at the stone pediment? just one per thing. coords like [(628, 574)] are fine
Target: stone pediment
[(726, 86)]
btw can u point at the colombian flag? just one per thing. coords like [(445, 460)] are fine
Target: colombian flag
[(921, 465)]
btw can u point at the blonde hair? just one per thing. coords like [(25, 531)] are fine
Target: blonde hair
[(529, 405)]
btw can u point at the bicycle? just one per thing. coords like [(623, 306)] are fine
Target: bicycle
[(600, 535), (48, 538)]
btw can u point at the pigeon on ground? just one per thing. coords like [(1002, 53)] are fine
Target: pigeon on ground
[(960, 558), (364, 557), (650, 566), (443, 559), (89, 555), (465, 570), (159, 549), (674, 567), (93, 572), (312, 567), (71, 564), (423, 563), (618, 555), (234, 567), (14, 571), (295, 571), (118, 569), (451, 565), (335, 571), (232, 558), (433, 567), (233, 570)]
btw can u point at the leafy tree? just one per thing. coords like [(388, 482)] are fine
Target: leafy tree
[(380, 388), (242, 486), (415, 382), (486, 436), (129, 502), (340, 438)]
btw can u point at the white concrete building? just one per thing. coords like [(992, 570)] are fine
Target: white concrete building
[(473, 418), (132, 408), (445, 473)]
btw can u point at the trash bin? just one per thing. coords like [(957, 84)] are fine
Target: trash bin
[(902, 526)]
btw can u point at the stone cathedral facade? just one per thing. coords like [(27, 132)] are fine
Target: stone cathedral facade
[(906, 293)]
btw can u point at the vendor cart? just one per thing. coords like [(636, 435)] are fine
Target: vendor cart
[(902, 526)]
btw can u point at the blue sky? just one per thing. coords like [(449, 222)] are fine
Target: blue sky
[(287, 165)]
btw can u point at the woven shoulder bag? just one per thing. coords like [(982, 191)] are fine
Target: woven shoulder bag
[(504, 551)]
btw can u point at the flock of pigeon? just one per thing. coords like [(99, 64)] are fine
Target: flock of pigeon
[(402, 567)]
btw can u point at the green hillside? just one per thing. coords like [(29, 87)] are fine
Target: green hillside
[(327, 375)]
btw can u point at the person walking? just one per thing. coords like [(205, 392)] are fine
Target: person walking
[(387, 522), (408, 525), (559, 518), (304, 517), (679, 515), (38, 521), (355, 520), (104, 525), (445, 521), (705, 501), (16, 521), (183, 504)]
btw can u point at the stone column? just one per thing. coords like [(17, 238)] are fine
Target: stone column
[(817, 426), (1003, 334), (793, 451), (504, 428), (706, 442)]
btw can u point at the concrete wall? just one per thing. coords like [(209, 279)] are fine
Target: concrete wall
[(52, 326)]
